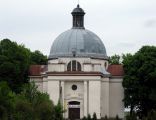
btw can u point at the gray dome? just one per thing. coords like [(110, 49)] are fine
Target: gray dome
[(80, 42)]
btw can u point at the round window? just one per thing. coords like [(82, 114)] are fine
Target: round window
[(74, 87)]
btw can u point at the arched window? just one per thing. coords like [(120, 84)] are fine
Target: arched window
[(74, 66)]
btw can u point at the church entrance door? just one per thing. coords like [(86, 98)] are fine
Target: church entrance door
[(74, 110)]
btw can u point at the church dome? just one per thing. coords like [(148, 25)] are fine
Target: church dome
[(78, 41)]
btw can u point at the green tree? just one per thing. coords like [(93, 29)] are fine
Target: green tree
[(58, 111), (15, 61), (6, 101), (14, 64), (140, 80), (38, 58), (23, 110), (115, 59), (32, 104)]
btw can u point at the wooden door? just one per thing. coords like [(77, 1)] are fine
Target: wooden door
[(74, 113), (74, 110)]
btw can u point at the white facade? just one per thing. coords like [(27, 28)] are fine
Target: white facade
[(96, 92)]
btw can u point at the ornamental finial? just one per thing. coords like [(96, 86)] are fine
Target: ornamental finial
[(78, 6)]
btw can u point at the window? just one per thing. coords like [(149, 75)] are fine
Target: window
[(69, 66), (74, 66), (105, 65), (74, 87)]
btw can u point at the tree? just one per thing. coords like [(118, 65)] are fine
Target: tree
[(23, 110), (30, 104), (33, 105), (6, 101), (14, 63), (38, 58), (115, 59), (140, 80), (58, 111)]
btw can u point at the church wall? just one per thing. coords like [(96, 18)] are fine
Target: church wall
[(74, 78), (101, 62), (97, 67), (105, 97), (87, 64), (73, 95), (116, 97), (53, 61), (56, 67), (54, 90), (94, 98), (69, 93), (87, 67)]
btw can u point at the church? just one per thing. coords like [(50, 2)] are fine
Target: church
[(79, 75)]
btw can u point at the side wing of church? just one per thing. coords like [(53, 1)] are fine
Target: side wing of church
[(79, 75)]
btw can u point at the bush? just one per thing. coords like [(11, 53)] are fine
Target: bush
[(23, 110), (151, 116), (105, 118), (84, 118), (131, 117), (94, 116), (117, 117), (58, 110), (30, 104), (89, 117), (3, 113)]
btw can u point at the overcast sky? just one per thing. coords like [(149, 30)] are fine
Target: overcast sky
[(123, 25)]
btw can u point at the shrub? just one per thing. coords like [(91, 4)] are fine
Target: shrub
[(117, 117), (105, 118), (94, 116), (84, 118), (131, 117), (89, 117)]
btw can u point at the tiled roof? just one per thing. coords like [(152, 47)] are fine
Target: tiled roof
[(36, 70), (116, 70)]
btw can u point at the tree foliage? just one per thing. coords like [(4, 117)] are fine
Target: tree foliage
[(115, 59), (140, 80), (6, 101), (38, 58), (15, 61), (58, 111), (30, 104)]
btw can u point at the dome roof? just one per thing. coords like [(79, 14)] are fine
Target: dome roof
[(79, 43)]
